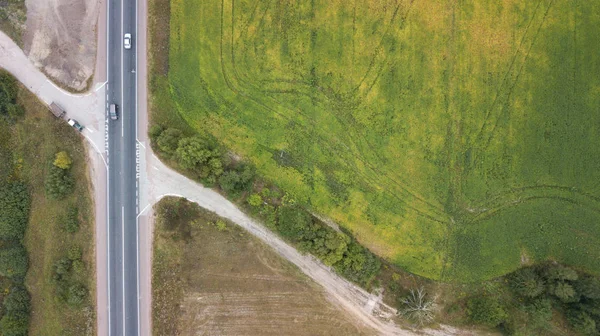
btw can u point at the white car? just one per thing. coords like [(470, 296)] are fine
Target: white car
[(127, 41)]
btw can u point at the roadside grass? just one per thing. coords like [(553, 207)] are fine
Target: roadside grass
[(39, 136), (13, 15), (453, 142), (211, 276)]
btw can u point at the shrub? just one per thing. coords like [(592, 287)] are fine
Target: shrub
[(58, 183), (74, 253), (255, 200), (560, 273), (62, 160), (589, 287), (563, 291), (526, 282), (18, 299), (62, 267), (14, 214), (154, 132), (358, 264), (486, 310), (581, 322), (236, 181), (168, 140), (539, 312), (72, 219), (293, 222), (14, 324), (13, 261), (76, 295)]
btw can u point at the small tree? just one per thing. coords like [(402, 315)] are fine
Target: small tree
[(74, 253), (486, 310), (560, 273), (168, 140), (13, 262), (17, 300), (76, 295), (589, 287), (539, 312), (564, 291), (72, 219), (62, 160), (58, 183), (526, 282), (14, 324), (191, 152), (582, 322), (418, 308)]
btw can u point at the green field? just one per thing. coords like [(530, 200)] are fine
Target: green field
[(456, 139)]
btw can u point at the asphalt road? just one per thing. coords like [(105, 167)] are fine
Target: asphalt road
[(122, 181)]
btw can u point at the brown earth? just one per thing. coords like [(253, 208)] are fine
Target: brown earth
[(211, 280), (60, 39)]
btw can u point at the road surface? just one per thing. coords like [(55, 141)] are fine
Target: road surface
[(122, 186)]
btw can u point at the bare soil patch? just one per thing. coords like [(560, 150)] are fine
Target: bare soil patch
[(60, 39), (216, 279)]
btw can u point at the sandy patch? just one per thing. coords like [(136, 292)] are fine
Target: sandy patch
[(60, 39)]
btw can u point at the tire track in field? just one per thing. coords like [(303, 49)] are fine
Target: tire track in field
[(230, 84), (494, 114)]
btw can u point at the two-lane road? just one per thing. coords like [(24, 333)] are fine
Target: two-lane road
[(122, 190)]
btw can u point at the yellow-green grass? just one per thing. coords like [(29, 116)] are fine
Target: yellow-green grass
[(454, 139), (35, 139)]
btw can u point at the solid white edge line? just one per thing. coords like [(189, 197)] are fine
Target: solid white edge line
[(107, 171), (122, 126), (123, 262), (138, 160)]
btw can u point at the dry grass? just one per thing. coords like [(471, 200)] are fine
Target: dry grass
[(221, 281), (38, 137)]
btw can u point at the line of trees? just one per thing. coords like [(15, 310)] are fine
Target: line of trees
[(538, 293), (209, 163)]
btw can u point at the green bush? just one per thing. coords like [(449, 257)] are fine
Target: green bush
[(560, 273), (14, 324), (74, 253), (486, 310), (358, 264), (526, 282), (154, 132), (18, 299), (563, 291), (539, 312), (13, 262), (168, 140), (582, 322), (293, 222), (589, 287), (14, 213), (76, 295), (59, 183), (236, 181)]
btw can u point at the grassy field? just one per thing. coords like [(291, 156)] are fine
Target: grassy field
[(215, 279), (35, 140), (455, 140)]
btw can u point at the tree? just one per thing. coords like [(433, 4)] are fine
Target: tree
[(539, 312), (62, 160), (418, 308), (14, 213), (238, 180), (168, 140), (191, 152), (526, 282), (13, 262), (486, 310), (582, 322), (293, 222), (564, 291), (358, 264), (154, 132), (589, 287), (560, 273), (58, 183), (18, 299)]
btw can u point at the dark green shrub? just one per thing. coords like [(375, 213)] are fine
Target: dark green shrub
[(293, 222), (14, 213), (18, 299), (14, 324), (563, 291), (559, 272), (526, 282), (486, 310), (76, 295), (13, 262), (589, 287), (582, 322), (59, 183), (168, 140)]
